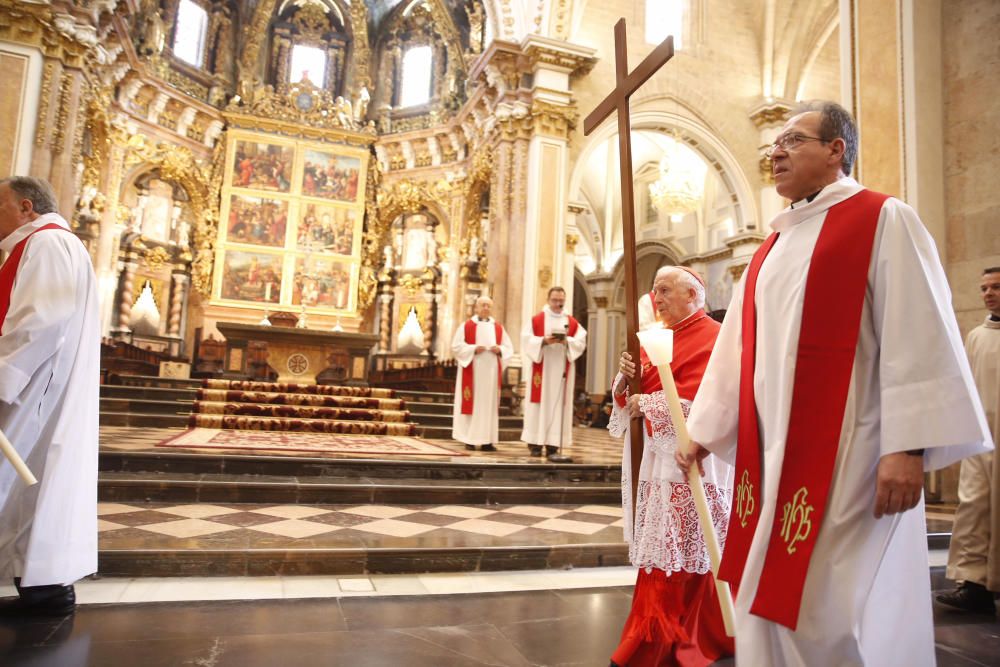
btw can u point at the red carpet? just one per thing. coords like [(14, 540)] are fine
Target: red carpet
[(380, 445)]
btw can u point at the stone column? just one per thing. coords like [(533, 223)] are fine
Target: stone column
[(127, 297), (601, 353), (769, 117)]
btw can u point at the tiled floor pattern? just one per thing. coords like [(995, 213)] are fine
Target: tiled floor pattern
[(160, 525), (590, 446)]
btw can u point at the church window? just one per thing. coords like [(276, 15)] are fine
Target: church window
[(417, 75), (665, 17), (189, 37), (308, 62)]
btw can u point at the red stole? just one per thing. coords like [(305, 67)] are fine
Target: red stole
[(694, 339), (538, 329), (468, 393), (828, 337), (8, 272)]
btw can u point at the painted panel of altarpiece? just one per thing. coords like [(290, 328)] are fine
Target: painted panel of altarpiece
[(293, 216)]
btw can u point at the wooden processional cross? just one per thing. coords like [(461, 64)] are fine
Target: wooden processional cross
[(627, 83)]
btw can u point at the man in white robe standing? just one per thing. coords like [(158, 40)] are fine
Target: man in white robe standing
[(482, 349), (841, 381), (974, 552), (552, 340), (49, 383)]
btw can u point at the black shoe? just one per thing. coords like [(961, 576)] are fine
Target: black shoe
[(53, 600), (488, 448), (471, 448), (550, 450), (969, 597), (536, 450)]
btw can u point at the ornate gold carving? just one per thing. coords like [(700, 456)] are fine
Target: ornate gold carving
[(795, 523), (601, 301), (301, 104), (254, 33), (764, 167), (178, 164), (413, 285), (155, 258), (736, 271), (770, 113), (312, 21), (62, 113), (553, 119), (571, 241), (43, 105), (361, 53), (545, 277), (57, 35)]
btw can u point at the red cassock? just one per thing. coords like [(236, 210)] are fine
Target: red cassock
[(675, 617)]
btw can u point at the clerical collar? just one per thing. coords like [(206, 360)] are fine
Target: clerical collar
[(482, 319), (994, 318), (807, 200), (992, 322)]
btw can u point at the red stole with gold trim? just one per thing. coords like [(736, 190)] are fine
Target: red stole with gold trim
[(8, 272), (538, 329), (828, 338), (468, 392)]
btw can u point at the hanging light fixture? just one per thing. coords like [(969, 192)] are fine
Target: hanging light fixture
[(681, 184)]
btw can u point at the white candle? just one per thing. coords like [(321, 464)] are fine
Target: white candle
[(16, 460)]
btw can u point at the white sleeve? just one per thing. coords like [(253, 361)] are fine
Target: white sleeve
[(462, 351), (714, 419), (531, 345), (929, 399), (506, 348), (576, 344), (42, 303)]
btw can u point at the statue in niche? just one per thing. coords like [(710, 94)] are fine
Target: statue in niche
[(361, 106), (152, 33), (342, 107), (474, 10), (416, 253)]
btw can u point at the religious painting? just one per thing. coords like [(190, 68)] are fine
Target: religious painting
[(323, 282), (257, 220), (262, 166), (251, 276), (331, 175), (329, 229)]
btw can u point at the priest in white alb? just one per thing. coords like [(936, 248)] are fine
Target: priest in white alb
[(482, 349), (551, 340), (49, 382), (837, 380)]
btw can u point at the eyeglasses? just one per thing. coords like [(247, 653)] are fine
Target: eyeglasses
[(789, 141)]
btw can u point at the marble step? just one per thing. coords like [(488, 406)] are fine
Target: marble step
[(124, 487), (429, 408), (156, 382), (301, 425), (444, 433), (312, 400), (300, 412), (149, 393), (485, 471), (426, 396), (143, 420), (227, 538), (145, 406), (424, 419), (295, 388), (354, 560)]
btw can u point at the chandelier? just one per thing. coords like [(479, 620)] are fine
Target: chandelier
[(681, 184)]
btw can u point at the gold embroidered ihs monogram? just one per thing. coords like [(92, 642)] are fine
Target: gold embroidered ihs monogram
[(745, 504), (795, 523), (537, 379), (467, 393)]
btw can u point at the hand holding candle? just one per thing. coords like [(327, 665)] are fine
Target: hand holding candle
[(659, 344), (16, 460)]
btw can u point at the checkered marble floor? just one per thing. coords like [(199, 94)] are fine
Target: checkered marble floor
[(263, 526), (590, 446)]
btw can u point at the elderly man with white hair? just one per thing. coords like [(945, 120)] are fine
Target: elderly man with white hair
[(675, 617), (49, 382), (482, 349)]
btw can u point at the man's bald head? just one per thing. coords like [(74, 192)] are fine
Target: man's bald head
[(484, 307)]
